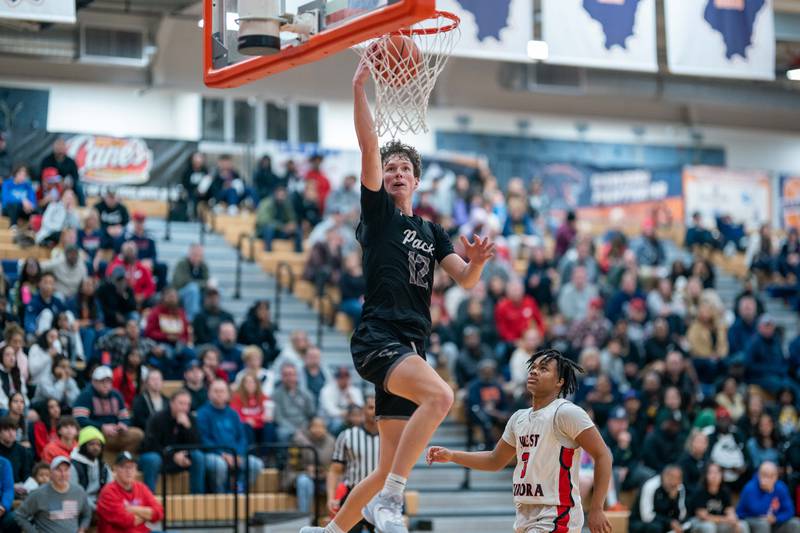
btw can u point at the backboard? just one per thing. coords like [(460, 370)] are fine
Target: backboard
[(323, 27)]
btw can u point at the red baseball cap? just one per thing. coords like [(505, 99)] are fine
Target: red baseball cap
[(138, 216)]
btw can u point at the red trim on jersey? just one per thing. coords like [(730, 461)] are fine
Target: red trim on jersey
[(565, 501)]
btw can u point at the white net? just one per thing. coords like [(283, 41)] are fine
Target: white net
[(404, 66)]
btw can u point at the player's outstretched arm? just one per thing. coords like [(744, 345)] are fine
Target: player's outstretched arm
[(467, 274), (371, 170), (490, 461), (591, 441)]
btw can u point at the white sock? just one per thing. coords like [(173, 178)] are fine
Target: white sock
[(395, 485), (333, 528)]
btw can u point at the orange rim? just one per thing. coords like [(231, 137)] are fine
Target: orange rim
[(452, 17)]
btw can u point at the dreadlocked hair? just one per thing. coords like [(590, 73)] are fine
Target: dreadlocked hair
[(567, 369), (397, 148)]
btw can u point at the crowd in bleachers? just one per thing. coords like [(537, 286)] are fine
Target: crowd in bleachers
[(697, 401)]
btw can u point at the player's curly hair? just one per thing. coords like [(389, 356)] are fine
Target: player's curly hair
[(568, 369), (397, 148)]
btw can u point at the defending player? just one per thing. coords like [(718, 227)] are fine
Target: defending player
[(547, 439), (400, 252)]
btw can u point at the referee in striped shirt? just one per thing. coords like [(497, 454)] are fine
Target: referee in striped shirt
[(355, 456)]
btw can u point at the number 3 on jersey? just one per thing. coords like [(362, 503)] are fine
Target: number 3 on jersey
[(525, 456), (418, 267)]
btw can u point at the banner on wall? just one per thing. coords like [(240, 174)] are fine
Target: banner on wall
[(39, 10), (616, 34), (723, 38), (110, 161), (716, 191), (790, 201), (602, 198), (496, 29)]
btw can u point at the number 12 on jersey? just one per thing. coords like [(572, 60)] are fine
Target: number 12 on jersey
[(418, 267)]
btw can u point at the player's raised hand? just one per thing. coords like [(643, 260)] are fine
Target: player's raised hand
[(479, 250), (438, 454), (361, 75), (598, 522)]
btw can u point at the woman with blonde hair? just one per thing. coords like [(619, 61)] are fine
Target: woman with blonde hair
[(255, 409), (708, 341), (253, 359)]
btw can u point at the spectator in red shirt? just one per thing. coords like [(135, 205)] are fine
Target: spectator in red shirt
[(167, 322), (516, 312), (253, 408), (317, 176), (127, 377), (68, 429), (139, 277), (126, 505)]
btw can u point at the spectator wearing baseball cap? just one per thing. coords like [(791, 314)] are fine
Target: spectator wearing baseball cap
[(337, 396), (629, 472), (101, 406), (88, 469), (126, 505), (65, 166), (592, 329), (140, 278), (147, 251), (58, 507)]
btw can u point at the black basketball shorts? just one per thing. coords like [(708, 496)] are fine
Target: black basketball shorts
[(377, 349)]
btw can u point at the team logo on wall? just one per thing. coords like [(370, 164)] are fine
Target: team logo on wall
[(111, 160)]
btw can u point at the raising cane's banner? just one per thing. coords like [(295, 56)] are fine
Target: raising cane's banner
[(106, 161), (111, 160)]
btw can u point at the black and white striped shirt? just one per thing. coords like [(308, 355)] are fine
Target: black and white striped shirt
[(357, 450)]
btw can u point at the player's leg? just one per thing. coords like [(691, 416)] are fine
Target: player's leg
[(350, 512), (414, 379), (390, 431)]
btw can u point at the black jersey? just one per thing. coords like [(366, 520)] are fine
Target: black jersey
[(399, 259)]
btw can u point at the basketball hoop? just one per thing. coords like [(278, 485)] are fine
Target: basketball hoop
[(405, 65)]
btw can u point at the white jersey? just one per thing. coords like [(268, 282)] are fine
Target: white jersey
[(548, 458)]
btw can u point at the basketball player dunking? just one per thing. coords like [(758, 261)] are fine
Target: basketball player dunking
[(400, 254), (547, 439)]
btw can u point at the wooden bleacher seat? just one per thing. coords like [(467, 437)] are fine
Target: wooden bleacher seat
[(344, 323)]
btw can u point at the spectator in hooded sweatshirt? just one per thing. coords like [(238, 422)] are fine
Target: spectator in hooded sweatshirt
[(167, 325), (221, 426), (58, 507), (57, 217), (40, 313), (660, 506), (116, 299), (765, 503), (744, 327), (102, 407), (88, 469), (69, 271), (126, 505), (18, 196)]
